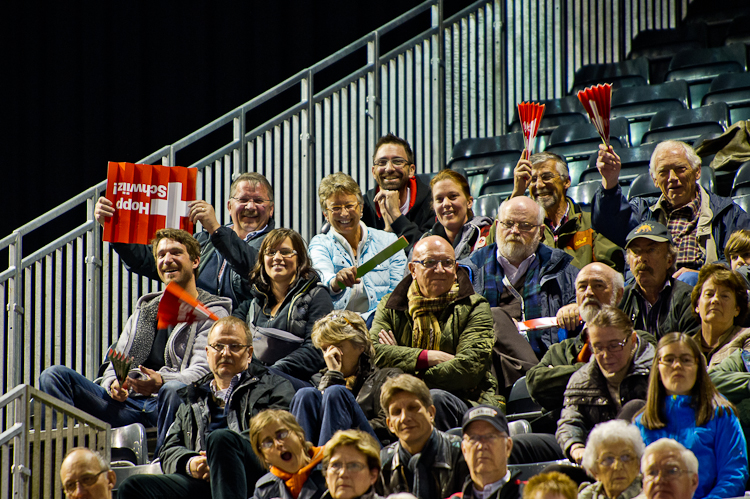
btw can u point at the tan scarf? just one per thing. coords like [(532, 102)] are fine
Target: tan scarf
[(295, 481), (426, 332)]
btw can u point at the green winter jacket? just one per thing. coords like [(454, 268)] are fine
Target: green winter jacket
[(466, 333)]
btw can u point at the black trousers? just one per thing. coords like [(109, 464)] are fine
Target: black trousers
[(232, 465)]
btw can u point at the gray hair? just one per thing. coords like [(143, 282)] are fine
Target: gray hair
[(615, 431), (103, 463), (540, 216), (667, 445), (560, 164), (692, 158)]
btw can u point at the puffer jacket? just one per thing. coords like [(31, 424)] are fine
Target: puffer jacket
[(467, 334), (366, 391), (719, 446), (185, 352), (305, 302), (596, 490), (449, 469), (269, 486), (556, 278), (474, 235), (329, 256), (674, 309), (224, 243), (587, 400), (256, 391), (613, 216)]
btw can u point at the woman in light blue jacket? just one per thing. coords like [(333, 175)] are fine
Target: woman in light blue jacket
[(346, 243)]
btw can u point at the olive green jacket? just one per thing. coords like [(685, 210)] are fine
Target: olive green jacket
[(467, 334)]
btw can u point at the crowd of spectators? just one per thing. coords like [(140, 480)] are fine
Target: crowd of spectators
[(320, 381)]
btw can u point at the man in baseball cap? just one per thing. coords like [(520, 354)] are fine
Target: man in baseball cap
[(656, 302), (486, 446)]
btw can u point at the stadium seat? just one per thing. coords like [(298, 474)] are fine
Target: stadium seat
[(640, 104), (633, 73), (739, 30), (734, 90), (708, 179), (128, 443), (634, 161), (583, 193), (520, 405), (576, 143), (741, 186), (557, 112), (643, 186), (687, 125), (699, 67), (743, 202), (499, 180), (475, 156), (487, 205), (660, 45)]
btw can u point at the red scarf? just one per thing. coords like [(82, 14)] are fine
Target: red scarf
[(412, 195), (295, 481)]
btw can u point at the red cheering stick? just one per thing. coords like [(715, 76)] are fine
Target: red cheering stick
[(597, 101), (530, 114), (178, 306)]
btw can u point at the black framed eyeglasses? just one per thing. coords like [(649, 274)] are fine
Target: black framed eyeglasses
[(86, 481), (396, 162), (285, 252)]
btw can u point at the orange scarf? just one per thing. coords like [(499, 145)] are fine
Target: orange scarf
[(295, 481)]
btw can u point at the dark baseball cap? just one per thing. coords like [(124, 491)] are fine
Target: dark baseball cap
[(486, 413), (650, 230)]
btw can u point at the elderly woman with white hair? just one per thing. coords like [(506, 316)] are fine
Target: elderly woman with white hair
[(613, 456)]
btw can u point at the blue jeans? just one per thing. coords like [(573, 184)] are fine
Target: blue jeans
[(322, 414), (71, 387)]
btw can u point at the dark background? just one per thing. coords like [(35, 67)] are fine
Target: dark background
[(87, 82)]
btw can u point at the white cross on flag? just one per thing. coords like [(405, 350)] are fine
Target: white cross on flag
[(147, 198)]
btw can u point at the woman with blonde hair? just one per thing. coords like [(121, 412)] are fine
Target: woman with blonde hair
[(351, 464), (346, 243), (683, 404), (348, 395), (279, 442)]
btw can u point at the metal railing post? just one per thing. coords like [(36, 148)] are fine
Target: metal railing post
[(307, 161), (438, 87), (501, 90), (93, 293), (373, 97), (14, 370), (21, 470), (239, 155)]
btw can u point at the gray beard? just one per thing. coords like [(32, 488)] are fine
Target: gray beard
[(588, 312), (548, 201), (517, 252)]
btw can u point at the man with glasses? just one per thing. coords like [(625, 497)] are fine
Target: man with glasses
[(164, 359), (435, 327), (486, 447), (401, 203), (525, 279), (566, 225), (250, 207), (86, 474), (617, 374), (656, 302), (669, 470), (205, 453)]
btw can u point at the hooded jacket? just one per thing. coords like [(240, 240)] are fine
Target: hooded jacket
[(467, 334), (305, 302), (474, 235), (185, 352), (587, 400)]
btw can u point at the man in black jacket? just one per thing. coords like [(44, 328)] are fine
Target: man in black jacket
[(204, 453), (486, 447), (656, 302), (250, 206), (401, 203)]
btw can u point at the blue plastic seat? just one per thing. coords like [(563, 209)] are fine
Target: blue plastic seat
[(699, 67), (687, 125)]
